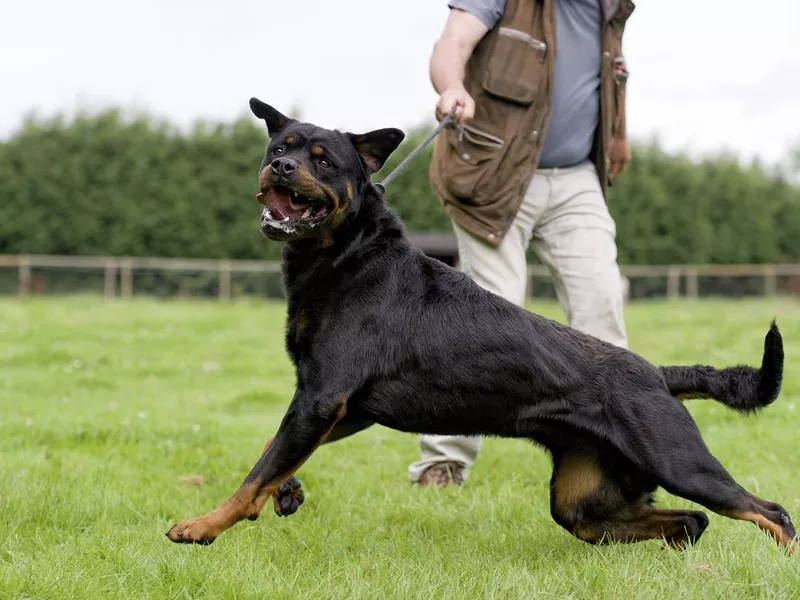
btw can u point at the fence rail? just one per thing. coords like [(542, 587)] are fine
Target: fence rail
[(118, 272)]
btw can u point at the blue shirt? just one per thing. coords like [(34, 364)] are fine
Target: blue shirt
[(575, 111)]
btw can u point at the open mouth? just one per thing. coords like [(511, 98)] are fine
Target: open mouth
[(283, 204)]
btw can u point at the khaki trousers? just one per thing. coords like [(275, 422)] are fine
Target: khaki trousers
[(564, 216)]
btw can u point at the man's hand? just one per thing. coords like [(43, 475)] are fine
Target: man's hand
[(456, 96), (619, 155)]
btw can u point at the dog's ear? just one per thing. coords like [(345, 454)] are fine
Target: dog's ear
[(376, 146), (275, 120)]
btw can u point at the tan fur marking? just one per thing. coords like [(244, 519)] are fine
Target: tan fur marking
[(308, 185), (341, 411), (247, 501), (653, 523), (588, 534), (349, 191), (269, 490), (209, 526), (578, 476), (290, 140), (775, 530), (316, 150), (300, 325), (263, 177)]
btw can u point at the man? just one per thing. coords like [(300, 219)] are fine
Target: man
[(542, 133)]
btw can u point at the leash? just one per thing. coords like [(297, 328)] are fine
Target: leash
[(450, 118)]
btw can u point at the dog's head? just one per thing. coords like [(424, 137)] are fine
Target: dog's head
[(312, 178)]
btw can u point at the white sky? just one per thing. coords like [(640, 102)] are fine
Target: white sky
[(705, 74)]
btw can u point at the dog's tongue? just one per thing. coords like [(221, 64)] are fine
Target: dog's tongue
[(281, 205)]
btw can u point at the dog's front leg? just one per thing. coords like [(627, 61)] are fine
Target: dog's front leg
[(307, 423), (288, 497)]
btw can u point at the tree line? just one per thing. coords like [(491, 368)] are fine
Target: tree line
[(108, 184)]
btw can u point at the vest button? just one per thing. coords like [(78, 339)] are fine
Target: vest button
[(535, 133), (465, 156)]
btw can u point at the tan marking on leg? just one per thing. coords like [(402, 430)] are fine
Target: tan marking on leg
[(629, 527), (266, 492), (589, 534), (257, 504), (205, 529), (578, 476), (775, 530), (595, 509), (246, 502)]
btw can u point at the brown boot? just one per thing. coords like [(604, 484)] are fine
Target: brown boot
[(442, 474)]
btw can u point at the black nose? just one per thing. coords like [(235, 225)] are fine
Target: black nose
[(284, 165)]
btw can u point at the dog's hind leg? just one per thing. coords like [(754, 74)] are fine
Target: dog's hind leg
[(305, 426), (664, 441), (598, 508)]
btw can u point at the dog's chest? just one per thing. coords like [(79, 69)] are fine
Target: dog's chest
[(298, 332)]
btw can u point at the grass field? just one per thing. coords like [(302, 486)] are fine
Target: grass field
[(105, 406)]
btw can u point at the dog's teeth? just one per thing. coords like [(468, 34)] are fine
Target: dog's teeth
[(307, 213)]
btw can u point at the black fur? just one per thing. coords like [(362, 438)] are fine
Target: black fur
[(380, 333)]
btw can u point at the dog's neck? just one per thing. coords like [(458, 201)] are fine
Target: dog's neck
[(313, 268)]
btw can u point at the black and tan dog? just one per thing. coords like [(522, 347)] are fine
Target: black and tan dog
[(380, 333)]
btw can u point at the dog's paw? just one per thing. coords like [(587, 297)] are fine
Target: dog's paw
[(692, 525), (196, 531), (288, 498)]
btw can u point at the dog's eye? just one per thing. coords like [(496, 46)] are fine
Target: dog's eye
[(324, 163), (278, 151)]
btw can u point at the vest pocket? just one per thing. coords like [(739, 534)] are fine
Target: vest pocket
[(474, 155), (516, 67)]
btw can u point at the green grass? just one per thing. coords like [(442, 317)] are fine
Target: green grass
[(104, 406)]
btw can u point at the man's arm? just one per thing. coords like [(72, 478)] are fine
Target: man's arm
[(461, 34)]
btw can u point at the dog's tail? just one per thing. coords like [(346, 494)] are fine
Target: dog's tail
[(742, 388)]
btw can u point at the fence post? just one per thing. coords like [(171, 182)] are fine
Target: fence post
[(224, 280), (691, 283), (24, 275), (126, 271), (673, 282), (770, 280), (110, 279)]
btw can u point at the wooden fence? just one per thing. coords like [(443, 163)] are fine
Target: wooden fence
[(118, 273)]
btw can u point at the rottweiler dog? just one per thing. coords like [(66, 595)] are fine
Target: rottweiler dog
[(380, 333)]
